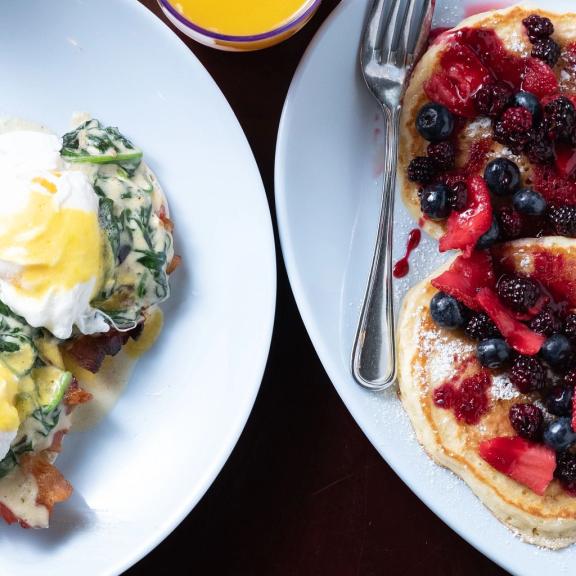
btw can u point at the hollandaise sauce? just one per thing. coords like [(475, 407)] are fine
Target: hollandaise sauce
[(238, 26)]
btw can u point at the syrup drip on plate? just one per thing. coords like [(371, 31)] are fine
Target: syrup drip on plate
[(402, 267)]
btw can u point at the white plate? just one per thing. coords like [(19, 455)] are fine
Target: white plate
[(143, 469), (327, 202)]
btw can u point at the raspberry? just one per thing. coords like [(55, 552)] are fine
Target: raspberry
[(538, 27), (569, 327), (422, 169), (563, 220), (480, 327), (545, 323), (519, 294), (510, 223), (527, 420), (513, 129), (540, 150), (444, 153), (458, 196), (492, 99), (547, 50), (527, 374), (565, 467), (560, 119), (517, 119)]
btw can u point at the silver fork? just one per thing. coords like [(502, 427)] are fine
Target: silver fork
[(394, 37)]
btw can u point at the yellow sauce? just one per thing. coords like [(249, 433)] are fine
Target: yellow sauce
[(240, 18), (107, 385)]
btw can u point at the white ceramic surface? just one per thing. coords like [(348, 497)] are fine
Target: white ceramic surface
[(328, 173), (146, 465)]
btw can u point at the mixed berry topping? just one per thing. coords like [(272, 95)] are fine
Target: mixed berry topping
[(538, 27), (545, 322), (559, 400), (447, 312), (502, 177), (563, 220), (480, 327), (518, 293), (517, 179), (435, 122), (435, 201), (493, 353), (527, 420), (423, 169), (528, 374), (547, 50), (444, 153)]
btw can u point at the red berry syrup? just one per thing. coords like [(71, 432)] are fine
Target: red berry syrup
[(402, 267)]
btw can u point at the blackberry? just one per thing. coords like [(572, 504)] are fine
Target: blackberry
[(444, 153), (517, 140), (540, 150), (527, 420), (538, 27), (565, 467), (458, 196), (570, 378), (563, 220), (545, 323), (527, 374), (481, 327), (569, 327), (510, 223), (560, 119), (519, 294), (492, 99), (546, 50), (422, 169)]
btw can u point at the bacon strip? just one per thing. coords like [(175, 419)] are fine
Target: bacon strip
[(174, 264), (76, 395), (52, 486)]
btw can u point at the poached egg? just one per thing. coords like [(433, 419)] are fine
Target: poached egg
[(51, 244)]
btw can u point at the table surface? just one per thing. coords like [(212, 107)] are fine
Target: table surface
[(304, 492)]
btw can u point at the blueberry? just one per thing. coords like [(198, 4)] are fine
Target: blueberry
[(502, 176), (447, 312), (489, 237), (556, 351), (529, 202), (493, 352), (435, 122), (559, 400), (435, 201), (529, 101), (559, 435)]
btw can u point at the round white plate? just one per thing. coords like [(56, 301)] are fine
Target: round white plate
[(328, 186), (139, 472)]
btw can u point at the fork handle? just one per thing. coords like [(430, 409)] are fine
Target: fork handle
[(374, 352)]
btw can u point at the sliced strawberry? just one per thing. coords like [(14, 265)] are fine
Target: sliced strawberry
[(460, 77), (539, 78), (565, 159), (519, 336), (526, 462), (466, 276), (463, 229)]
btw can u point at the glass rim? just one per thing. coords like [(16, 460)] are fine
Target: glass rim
[(166, 5)]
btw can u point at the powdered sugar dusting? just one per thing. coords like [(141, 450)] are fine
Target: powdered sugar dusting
[(502, 388)]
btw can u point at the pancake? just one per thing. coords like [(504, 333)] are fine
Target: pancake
[(507, 24), (430, 356)]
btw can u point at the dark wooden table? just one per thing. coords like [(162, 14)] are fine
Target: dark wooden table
[(304, 492)]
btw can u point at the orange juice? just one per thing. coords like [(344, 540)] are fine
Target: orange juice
[(239, 24)]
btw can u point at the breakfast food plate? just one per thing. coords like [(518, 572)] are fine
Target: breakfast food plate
[(104, 201), (328, 199)]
